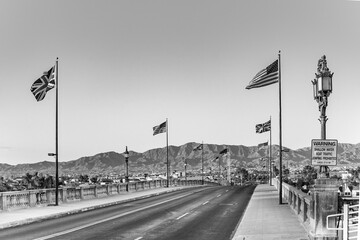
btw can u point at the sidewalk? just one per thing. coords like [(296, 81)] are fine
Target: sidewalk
[(29, 215), (265, 219)]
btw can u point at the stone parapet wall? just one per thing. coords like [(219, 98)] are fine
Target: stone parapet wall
[(310, 209), (42, 197)]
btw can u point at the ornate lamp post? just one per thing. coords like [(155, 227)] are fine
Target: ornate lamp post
[(185, 165), (126, 155), (322, 87)]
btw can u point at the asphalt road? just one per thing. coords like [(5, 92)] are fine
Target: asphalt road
[(197, 213)]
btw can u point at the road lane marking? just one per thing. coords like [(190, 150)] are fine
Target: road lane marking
[(218, 195), (107, 219), (226, 190), (138, 238), (182, 216), (205, 202)]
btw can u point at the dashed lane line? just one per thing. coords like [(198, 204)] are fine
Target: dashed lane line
[(182, 216)]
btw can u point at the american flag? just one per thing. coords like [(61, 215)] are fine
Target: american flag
[(263, 127), (159, 129), (266, 76), (42, 85), (262, 144)]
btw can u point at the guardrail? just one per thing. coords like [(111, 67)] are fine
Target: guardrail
[(42, 197), (349, 221), (301, 203)]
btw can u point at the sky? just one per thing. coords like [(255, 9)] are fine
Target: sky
[(127, 66)]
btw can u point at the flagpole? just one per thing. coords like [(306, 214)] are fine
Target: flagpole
[(167, 154), (57, 136), (270, 170), (280, 134), (202, 162)]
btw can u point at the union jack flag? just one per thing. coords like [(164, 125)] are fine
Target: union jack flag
[(42, 85), (264, 127)]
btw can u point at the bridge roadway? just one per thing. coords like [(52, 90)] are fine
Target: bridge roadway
[(191, 213)]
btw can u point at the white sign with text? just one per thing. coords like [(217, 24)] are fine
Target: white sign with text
[(324, 152)]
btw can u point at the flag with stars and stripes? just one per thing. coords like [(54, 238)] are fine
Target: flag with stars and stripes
[(263, 127), (266, 76), (262, 144), (43, 84), (159, 129)]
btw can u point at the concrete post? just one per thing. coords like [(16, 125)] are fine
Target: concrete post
[(81, 193), (326, 203), (3, 201), (32, 198), (64, 195)]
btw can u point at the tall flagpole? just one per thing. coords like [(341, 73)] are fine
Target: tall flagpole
[(57, 136), (167, 154), (270, 170), (202, 162), (280, 134)]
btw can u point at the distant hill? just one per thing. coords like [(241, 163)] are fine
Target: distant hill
[(154, 160)]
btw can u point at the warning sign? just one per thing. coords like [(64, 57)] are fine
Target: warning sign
[(324, 152)]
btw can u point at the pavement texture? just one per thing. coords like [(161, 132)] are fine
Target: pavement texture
[(266, 219), (18, 217)]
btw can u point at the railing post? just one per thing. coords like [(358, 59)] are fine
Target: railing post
[(81, 193), (358, 229), (95, 191), (346, 222), (32, 199)]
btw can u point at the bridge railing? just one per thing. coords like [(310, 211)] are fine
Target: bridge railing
[(301, 203), (43, 197)]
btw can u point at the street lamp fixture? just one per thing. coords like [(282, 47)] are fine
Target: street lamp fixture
[(322, 87), (126, 155)]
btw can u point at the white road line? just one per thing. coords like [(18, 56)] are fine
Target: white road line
[(138, 238), (226, 190), (218, 195), (205, 202), (182, 216), (107, 219)]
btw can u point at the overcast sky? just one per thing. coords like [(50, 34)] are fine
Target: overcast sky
[(126, 66)]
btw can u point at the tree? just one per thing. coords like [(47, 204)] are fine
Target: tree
[(84, 178), (94, 179), (309, 174)]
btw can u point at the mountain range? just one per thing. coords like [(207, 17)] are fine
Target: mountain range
[(154, 160)]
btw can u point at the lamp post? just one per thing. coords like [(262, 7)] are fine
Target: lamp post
[(218, 158), (126, 155), (322, 87), (185, 165)]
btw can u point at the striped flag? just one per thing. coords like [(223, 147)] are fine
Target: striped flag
[(262, 144), (200, 147), (159, 129), (264, 127), (224, 151), (266, 76), (44, 84)]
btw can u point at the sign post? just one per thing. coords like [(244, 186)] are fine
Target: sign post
[(324, 152)]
